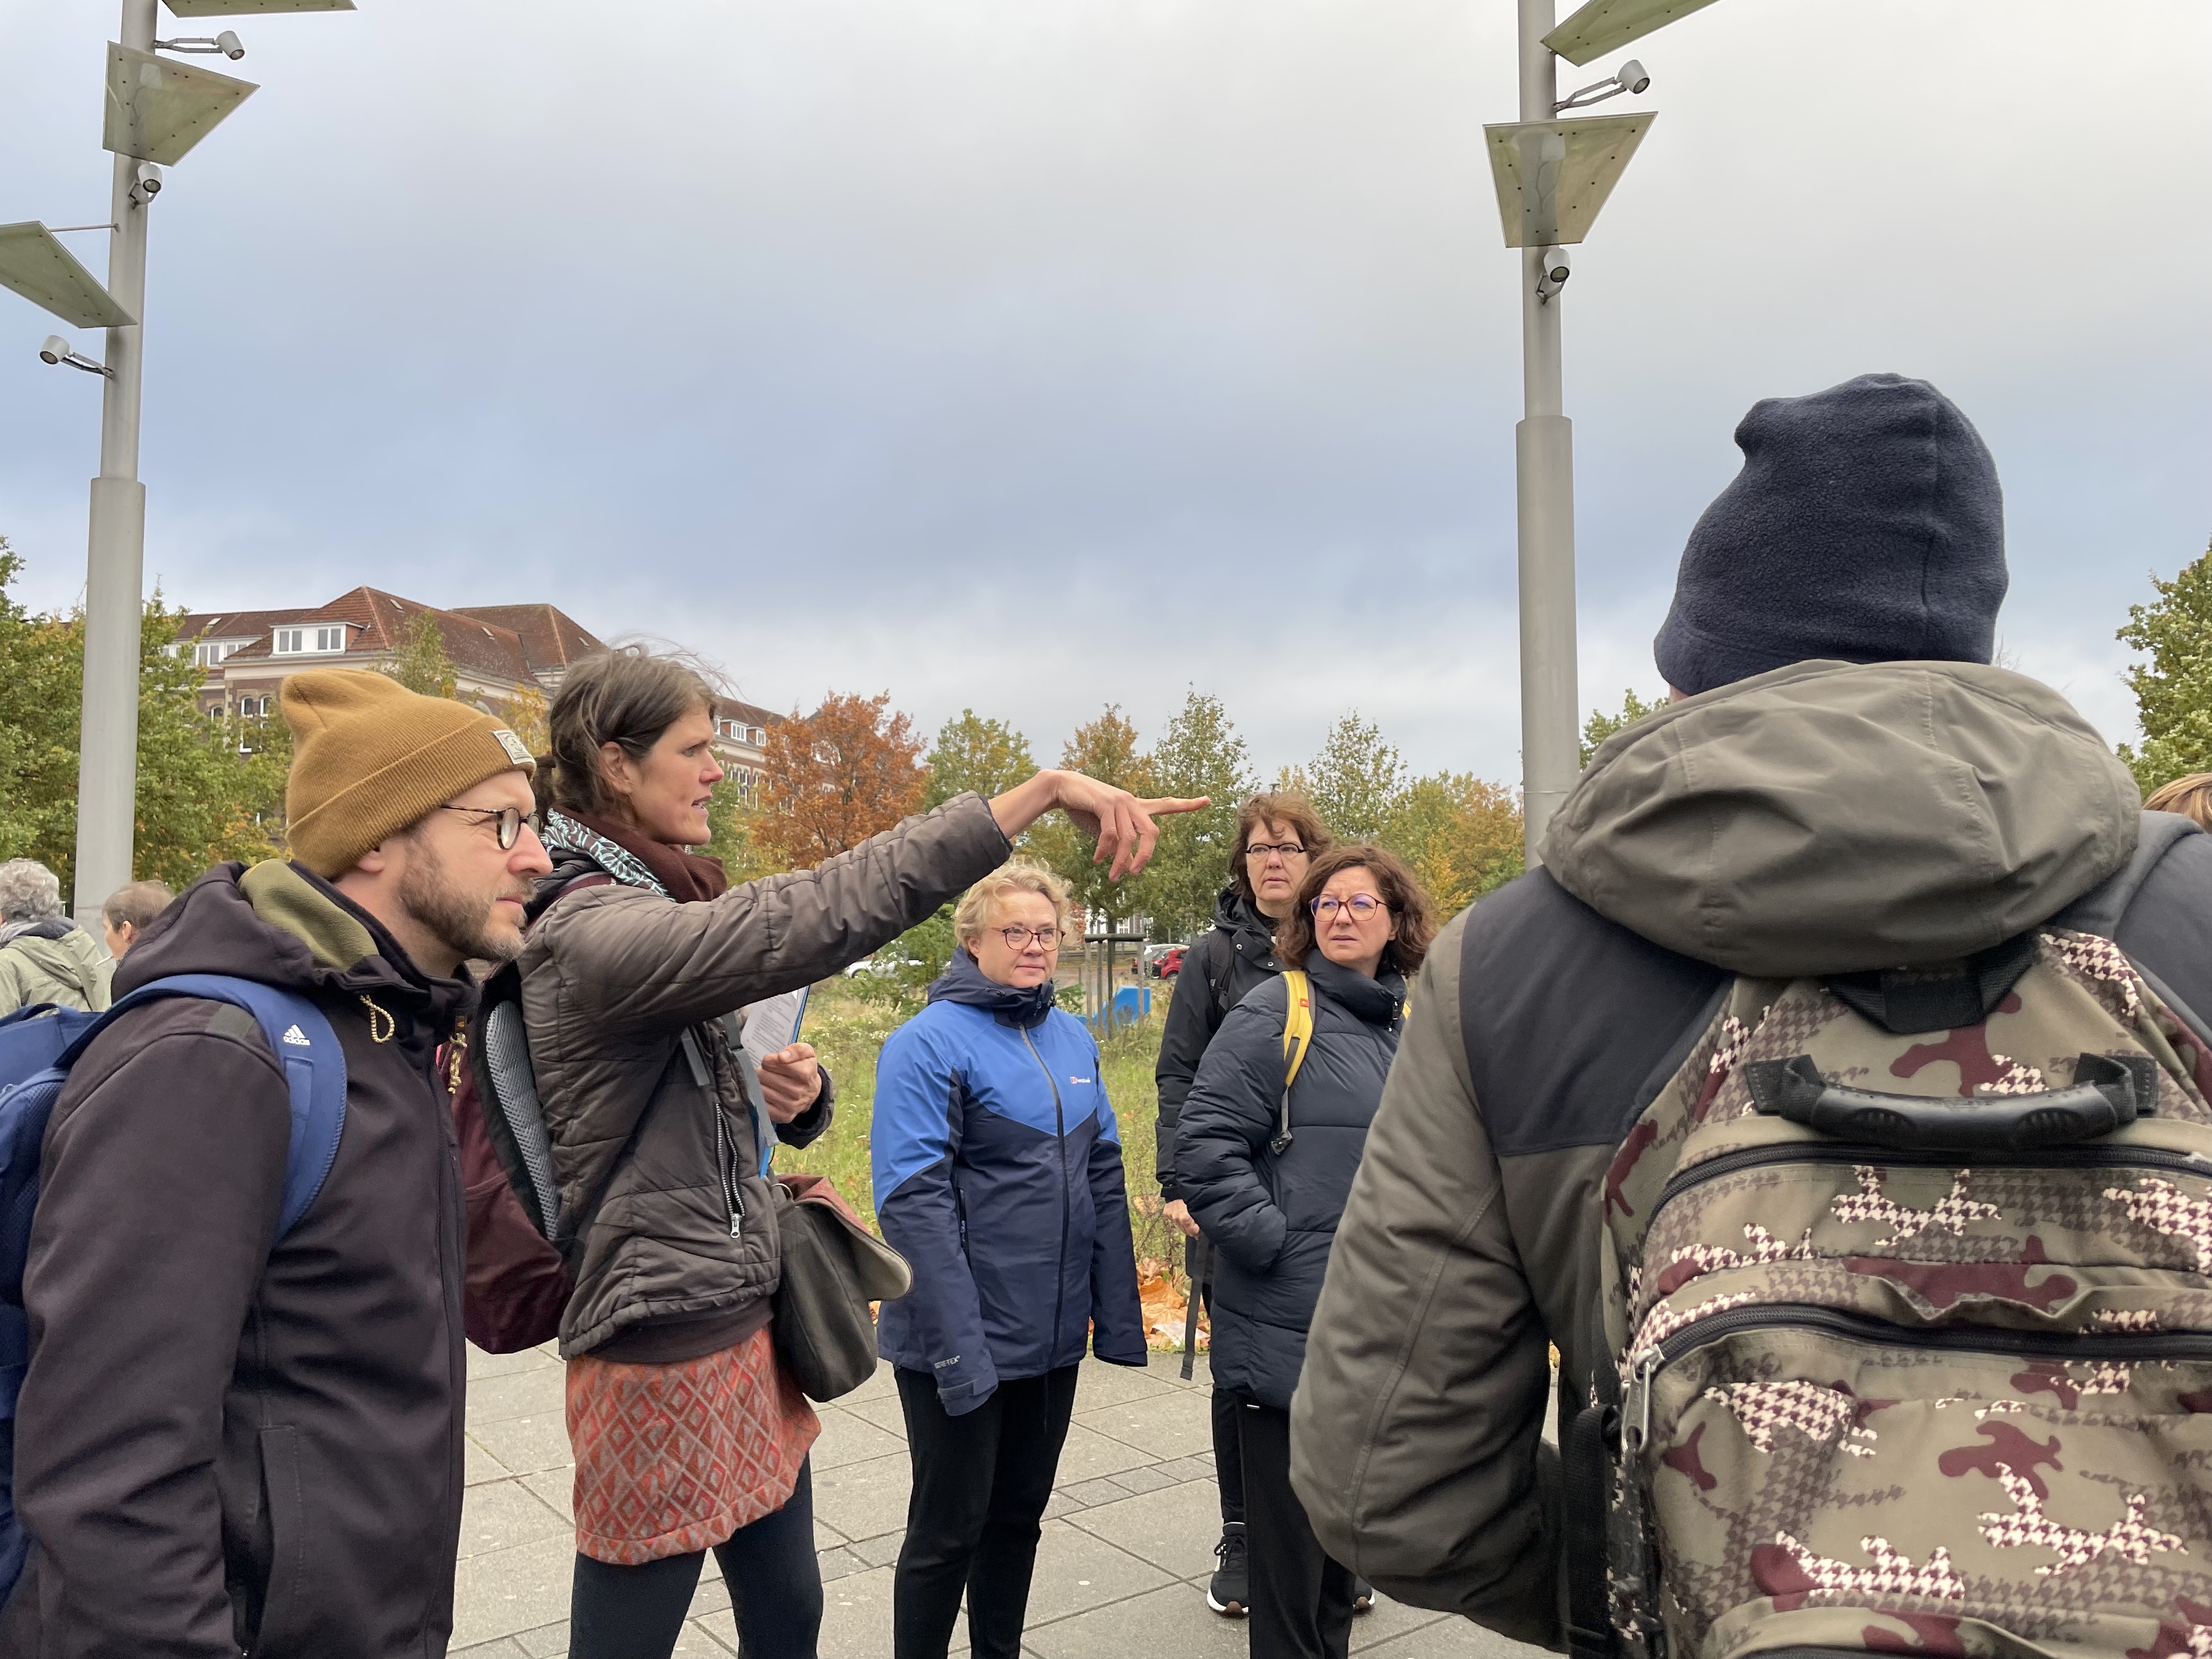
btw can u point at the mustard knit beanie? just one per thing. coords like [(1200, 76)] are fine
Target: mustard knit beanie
[(370, 758)]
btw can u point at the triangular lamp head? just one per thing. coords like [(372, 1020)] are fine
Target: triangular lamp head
[(1553, 176), (158, 110), (35, 264)]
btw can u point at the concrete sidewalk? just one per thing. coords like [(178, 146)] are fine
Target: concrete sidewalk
[(1128, 1538)]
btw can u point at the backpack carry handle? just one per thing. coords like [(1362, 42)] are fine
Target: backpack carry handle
[(2106, 1095)]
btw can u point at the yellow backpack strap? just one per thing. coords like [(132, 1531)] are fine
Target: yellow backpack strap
[(1298, 1034)]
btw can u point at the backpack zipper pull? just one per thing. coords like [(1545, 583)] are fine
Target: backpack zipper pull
[(1636, 1409)]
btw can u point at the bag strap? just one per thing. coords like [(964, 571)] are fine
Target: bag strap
[(301, 1039), (1297, 1036)]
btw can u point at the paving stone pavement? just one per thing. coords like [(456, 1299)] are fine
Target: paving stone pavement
[(1128, 1547)]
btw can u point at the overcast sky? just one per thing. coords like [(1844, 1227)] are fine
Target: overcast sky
[(1034, 353)]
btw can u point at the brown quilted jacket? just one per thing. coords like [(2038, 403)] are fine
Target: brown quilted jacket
[(658, 1175)]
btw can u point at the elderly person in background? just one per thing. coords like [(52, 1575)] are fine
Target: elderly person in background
[(998, 1174), (43, 955), (1267, 1166), (1278, 835), (2192, 797), (126, 913)]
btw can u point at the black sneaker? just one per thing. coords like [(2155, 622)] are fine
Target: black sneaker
[(1230, 1593), (1363, 1594)]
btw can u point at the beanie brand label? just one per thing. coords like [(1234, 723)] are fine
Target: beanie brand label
[(516, 751)]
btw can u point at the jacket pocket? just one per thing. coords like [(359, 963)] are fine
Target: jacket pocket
[(285, 1599)]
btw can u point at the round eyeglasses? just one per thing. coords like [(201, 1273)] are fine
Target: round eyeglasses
[(1017, 938), (508, 820), (1362, 905)]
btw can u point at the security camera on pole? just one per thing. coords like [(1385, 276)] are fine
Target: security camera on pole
[(157, 110)]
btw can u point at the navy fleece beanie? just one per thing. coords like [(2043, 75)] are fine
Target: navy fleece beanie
[(1866, 525)]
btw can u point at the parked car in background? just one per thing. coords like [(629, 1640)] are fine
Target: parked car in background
[(1169, 962)]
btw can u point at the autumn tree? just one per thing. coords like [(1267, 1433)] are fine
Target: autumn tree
[(1106, 749), (1353, 782), (973, 752), (1460, 833), (2174, 690), (208, 790), (524, 712), (1201, 754), (831, 779), (421, 663), (1599, 726)]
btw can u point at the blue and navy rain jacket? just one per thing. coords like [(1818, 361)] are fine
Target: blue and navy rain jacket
[(998, 1175)]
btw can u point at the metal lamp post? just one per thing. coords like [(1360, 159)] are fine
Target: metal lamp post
[(157, 110), (1553, 176)]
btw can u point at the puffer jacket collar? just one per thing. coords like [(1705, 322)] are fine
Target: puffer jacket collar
[(1375, 1000)]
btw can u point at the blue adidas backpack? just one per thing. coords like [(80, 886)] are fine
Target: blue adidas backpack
[(37, 1048)]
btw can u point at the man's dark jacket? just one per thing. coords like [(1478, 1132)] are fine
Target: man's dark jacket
[(221, 1447), (1219, 967), (1825, 818), (1272, 1215)]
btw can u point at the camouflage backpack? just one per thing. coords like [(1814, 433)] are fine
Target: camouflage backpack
[(1909, 1280)]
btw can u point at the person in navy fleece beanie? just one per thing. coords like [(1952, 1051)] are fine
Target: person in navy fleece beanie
[(1867, 526)]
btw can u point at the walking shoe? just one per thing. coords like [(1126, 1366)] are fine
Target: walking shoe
[(1363, 1594), (1230, 1593)]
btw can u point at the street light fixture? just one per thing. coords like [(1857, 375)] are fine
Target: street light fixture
[(1629, 77), (1605, 25), (157, 111)]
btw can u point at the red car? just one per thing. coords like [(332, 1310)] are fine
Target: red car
[(1169, 962)]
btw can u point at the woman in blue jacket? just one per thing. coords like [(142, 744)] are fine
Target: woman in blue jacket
[(1266, 1167), (998, 1175)]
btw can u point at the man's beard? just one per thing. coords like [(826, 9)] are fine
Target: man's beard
[(461, 921)]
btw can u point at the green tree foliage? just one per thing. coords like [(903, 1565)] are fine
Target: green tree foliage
[(1354, 782), (730, 816), (1600, 727), (421, 663), (2174, 690), (1201, 754), (208, 790), (973, 752), (1106, 749), (1460, 833)]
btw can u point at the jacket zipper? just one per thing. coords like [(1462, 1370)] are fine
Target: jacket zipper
[(1059, 1139), (1636, 1406), (2064, 1158), (725, 1157)]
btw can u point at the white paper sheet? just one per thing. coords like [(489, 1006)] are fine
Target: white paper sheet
[(773, 1022)]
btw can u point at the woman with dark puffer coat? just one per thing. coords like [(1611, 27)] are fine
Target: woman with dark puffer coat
[(1266, 1169)]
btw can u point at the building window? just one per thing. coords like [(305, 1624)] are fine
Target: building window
[(207, 653), (290, 640), (330, 639), (298, 642)]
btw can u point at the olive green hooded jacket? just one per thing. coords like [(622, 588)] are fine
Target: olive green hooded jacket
[(1823, 818), (54, 961)]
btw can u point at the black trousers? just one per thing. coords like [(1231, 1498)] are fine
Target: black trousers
[(980, 1483), (775, 1592), (1301, 1598), (1228, 1451)]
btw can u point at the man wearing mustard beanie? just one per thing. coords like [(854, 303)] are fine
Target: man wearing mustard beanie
[(219, 1446)]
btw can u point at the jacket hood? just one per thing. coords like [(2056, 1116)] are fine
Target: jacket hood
[(1376, 1000), (1831, 817), (284, 926), (64, 952), (962, 980)]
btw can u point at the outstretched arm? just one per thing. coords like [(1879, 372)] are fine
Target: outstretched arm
[(1122, 823)]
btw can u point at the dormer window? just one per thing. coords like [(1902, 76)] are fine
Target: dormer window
[(298, 642), (208, 653)]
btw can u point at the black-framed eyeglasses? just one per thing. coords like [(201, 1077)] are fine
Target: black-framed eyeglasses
[(508, 820), (1260, 849), (1017, 938), (1362, 905)]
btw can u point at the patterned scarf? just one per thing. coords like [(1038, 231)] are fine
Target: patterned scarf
[(687, 878)]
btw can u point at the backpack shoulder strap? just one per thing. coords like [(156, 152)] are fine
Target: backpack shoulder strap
[(301, 1039), (1297, 1026)]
